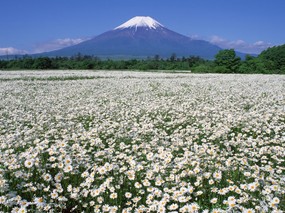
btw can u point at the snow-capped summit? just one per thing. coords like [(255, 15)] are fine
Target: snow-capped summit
[(140, 21)]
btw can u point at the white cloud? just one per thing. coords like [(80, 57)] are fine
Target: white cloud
[(57, 44), (217, 40), (240, 45), (43, 47), (195, 37), (11, 51)]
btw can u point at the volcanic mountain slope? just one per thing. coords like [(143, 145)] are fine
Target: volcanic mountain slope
[(138, 38)]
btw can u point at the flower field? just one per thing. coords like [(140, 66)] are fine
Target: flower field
[(83, 141)]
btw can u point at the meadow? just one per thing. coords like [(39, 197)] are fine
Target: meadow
[(95, 141)]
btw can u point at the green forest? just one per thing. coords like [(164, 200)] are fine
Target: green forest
[(270, 61)]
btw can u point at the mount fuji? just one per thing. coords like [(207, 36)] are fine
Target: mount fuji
[(140, 37)]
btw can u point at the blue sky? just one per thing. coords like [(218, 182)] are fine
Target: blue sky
[(32, 26)]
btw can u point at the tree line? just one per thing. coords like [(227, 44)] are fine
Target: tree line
[(269, 61)]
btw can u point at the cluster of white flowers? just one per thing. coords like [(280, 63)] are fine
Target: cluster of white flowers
[(141, 142)]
